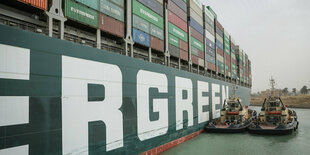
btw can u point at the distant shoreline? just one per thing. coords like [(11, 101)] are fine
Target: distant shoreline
[(300, 101), (296, 107)]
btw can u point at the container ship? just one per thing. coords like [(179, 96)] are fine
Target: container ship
[(112, 76)]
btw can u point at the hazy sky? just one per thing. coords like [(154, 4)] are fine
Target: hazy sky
[(276, 36)]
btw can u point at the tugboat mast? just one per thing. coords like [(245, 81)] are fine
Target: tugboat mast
[(272, 83), (234, 91)]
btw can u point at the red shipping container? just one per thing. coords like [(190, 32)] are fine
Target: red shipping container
[(201, 55), (177, 11), (233, 45), (197, 35), (184, 55), (111, 25), (210, 66), (227, 57), (219, 25), (194, 59), (157, 44), (220, 52), (233, 61), (177, 21), (183, 45), (41, 4), (228, 74)]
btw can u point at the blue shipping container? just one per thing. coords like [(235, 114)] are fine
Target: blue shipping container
[(210, 51), (196, 25), (181, 4), (153, 5), (219, 45), (210, 59), (140, 37), (210, 43), (218, 31), (232, 50), (219, 63)]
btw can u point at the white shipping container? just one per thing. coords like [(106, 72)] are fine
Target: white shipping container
[(219, 38), (219, 57), (196, 17), (210, 36), (196, 6), (226, 33), (201, 62), (233, 56)]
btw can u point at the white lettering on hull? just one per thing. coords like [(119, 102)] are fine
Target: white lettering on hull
[(18, 150), (148, 129), (14, 110), (77, 111), (202, 87), (215, 101), (224, 93), (183, 85)]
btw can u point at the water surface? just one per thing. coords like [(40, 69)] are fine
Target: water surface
[(248, 144)]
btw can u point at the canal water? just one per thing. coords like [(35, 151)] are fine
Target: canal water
[(248, 144)]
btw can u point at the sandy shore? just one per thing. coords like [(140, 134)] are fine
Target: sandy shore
[(300, 101)]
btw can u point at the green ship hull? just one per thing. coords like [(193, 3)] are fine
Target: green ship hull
[(58, 97)]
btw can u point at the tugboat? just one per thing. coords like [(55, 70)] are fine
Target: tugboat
[(275, 117), (234, 117)]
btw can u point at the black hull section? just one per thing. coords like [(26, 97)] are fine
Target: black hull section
[(226, 130), (214, 129), (258, 130)]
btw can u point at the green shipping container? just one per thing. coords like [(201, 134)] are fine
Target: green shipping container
[(196, 43), (91, 3), (147, 14), (174, 40), (194, 51), (227, 47), (140, 24), (112, 10), (209, 13), (81, 13), (177, 32), (157, 32), (210, 9), (226, 39), (119, 2)]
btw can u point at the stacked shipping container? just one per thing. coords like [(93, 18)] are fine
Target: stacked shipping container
[(41, 4), (246, 67), (177, 28), (209, 17), (240, 63), (111, 16), (219, 41), (227, 54), (108, 15), (250, 74), (148, 30), (233, 50), (197, 31), (148, 25)]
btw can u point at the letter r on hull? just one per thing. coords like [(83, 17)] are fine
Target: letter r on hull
[(77, 111)]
